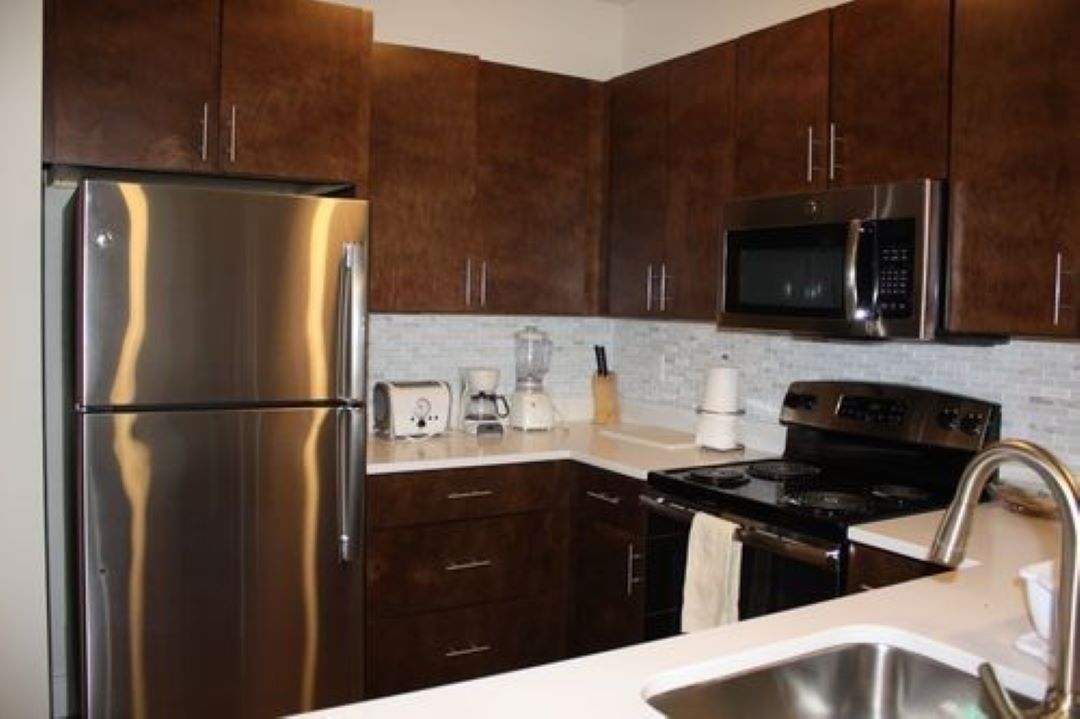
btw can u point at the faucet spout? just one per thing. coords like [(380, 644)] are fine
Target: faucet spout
[(1063, 695)]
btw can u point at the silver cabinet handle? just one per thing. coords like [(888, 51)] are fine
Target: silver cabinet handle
[(483, 284), (604, 497), (232, 134), (468, 282), (467, 565), (664, 287), (833, 139), (648, 288), (474, 649), (809, 154), (631, 580), (203, 147), (1059, 274), (471, 494)]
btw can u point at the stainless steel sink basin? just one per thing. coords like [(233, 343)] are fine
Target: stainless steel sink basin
[(859, 680)]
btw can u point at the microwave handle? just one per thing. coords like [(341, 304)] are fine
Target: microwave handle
[(851, 273)]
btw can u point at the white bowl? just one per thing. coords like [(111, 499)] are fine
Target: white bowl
[(1040, 581)]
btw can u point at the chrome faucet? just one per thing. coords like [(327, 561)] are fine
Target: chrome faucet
[(1062, 698)]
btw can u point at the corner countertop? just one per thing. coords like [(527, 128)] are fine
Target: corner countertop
[(978, 610), (579, 441)]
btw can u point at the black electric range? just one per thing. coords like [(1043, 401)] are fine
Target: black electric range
[(855, 452)]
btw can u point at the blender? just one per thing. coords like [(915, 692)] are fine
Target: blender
[(482, 410), (530, 406)]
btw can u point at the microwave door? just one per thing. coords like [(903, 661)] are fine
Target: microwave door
[(861, 275)]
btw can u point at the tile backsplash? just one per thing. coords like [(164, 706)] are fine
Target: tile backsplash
[(664, 363)]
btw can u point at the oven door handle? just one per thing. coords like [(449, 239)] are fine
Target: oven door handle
[(822, 557), (815, 555)]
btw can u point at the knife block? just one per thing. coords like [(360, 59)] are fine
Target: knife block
[(605, 393)]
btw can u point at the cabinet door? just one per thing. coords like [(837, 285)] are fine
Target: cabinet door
[(294, 90), (131, 83), (608, 605), (700, 174), (539, 163), (1015, 152), (638, 206), (423, 179), (782, 107), (889, 91)]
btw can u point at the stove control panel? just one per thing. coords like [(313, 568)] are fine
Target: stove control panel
[(894, 412)]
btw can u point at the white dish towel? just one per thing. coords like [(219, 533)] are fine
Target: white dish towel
[(711, 587)]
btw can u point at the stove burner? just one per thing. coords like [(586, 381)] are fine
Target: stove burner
[(900, 494), (721, 477), (829, 503), (779, 470)]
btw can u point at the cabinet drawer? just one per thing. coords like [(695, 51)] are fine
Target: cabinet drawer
[(429, 649), (609, 498), (438, 566), (439, 496)]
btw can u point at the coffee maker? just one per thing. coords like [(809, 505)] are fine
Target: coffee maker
[(483, 411)]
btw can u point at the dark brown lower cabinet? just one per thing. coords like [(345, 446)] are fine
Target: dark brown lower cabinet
[(414, 652), (871, 568), (607, 575), (466, 574)]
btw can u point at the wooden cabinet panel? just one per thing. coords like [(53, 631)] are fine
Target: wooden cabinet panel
[(438, 566), (871, 568), (127, 83), (1014, 249), (538, 162), (890, 90), (423, 177), (638, 194), (700, 175), (294, 89), (439, 496), (462, 644), (608, 498), (783, 94), (608, 600)]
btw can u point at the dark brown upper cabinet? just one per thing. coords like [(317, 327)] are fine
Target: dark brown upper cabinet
[(782, 107), (487, 183), (540, 181), (423, 180), (262, 88), (852, 96), (672, 131), (1015, 249), (889, 104)]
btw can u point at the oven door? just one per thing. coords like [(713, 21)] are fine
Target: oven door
[(780, 569)]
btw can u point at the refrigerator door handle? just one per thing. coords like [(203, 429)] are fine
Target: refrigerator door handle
[(351, 335), (350, 481)]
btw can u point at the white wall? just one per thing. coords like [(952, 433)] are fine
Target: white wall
[(656, 30), (23, 642), (574, 37)]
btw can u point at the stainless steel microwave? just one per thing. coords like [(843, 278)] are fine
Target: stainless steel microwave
[(862, 262)]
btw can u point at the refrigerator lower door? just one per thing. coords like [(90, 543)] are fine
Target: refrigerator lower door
[(189, 296), (211, 573)]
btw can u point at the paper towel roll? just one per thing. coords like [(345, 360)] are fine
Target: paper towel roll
[(716, 431), (721, 390)]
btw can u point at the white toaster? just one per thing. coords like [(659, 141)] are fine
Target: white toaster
[(411, 409)]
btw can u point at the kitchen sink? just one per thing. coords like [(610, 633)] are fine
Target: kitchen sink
[(863, 679)]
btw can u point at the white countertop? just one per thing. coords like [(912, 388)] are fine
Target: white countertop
[(979, 610), (579, 441)]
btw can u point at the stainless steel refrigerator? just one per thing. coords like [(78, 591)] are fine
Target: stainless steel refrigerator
[(220, 435)]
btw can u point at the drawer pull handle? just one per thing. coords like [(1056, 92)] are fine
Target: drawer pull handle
[(604, 497), (471, 494), (474, 649), (467, 565)]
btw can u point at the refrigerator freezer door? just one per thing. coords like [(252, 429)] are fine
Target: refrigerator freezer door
[(203, 297), (211, 577)]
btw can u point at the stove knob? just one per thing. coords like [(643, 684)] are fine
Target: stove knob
[(949, 418)]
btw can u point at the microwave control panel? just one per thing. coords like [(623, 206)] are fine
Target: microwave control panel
[(895, 267)]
